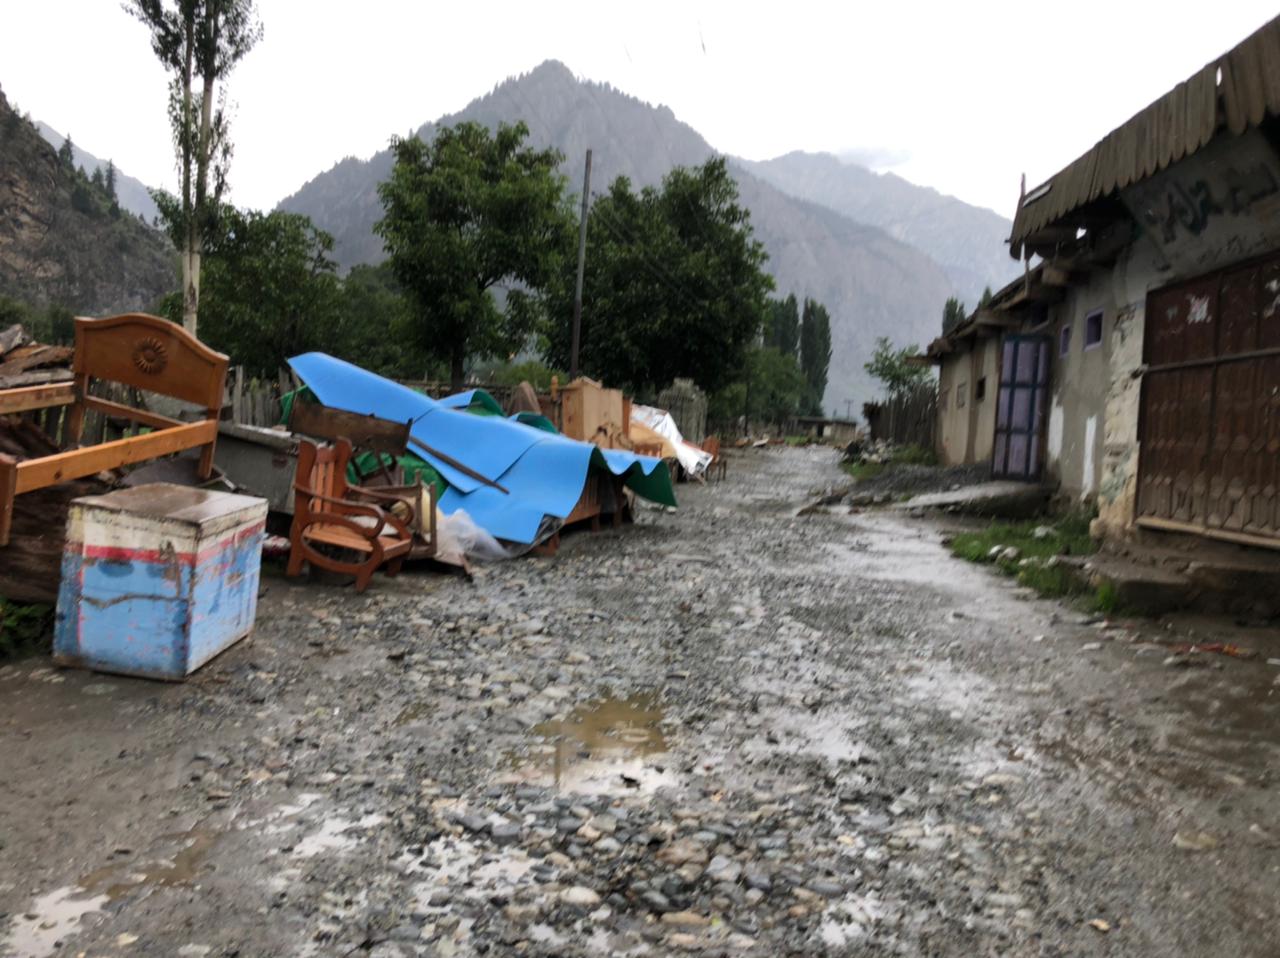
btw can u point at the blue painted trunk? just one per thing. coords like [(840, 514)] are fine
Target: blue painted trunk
[(157, 579)]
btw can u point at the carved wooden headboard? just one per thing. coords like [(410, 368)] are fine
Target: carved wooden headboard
[(150, 353)]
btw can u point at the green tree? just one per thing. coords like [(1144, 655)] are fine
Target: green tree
[(987, 296), (953, 314), (110, 181), (67, 152), (815, 354), (771, 390), (97, 179), (375, 326), (782, 325), (674, 284), (465, 215), (894, 370), (270, 290), (198, 42)]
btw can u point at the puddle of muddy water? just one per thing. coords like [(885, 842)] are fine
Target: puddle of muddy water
[(52, 917), (601, 747)]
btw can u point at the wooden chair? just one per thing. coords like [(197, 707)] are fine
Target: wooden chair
[(717, 466), (385, 439), (359, 536)]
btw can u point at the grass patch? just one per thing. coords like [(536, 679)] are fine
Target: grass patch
[(864, 470), (797, 440), (1067, 536), (25, 627), (915, 456)]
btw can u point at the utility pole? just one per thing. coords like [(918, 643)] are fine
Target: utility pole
[(848, 409), (582, 262)]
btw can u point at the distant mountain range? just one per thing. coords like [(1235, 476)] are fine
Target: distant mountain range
[(969, 242), (886, 272), (131, 194), (59, 243)]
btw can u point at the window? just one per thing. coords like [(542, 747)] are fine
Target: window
[(960, 392), (1093, 330), (980, 389), (1064, 340)]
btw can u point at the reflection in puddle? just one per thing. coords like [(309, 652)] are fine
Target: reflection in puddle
[(601, 747), (50, 918), (333, 835)]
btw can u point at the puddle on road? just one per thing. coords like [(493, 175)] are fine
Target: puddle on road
[(334, 834), (116, 881), (52, 917), (602, 747)]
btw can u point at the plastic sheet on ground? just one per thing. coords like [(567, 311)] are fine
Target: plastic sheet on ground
[(543, 473), (693, 460)]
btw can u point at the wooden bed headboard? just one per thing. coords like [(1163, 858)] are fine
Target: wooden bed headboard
[(150, 353)]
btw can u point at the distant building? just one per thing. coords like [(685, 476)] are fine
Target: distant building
[(1138, 364)]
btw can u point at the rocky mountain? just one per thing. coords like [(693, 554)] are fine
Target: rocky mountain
[(59, 242), (131, 194), (872, 284), (968, 241)]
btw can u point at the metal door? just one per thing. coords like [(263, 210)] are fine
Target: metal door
[(1024, 383), (1209, 458)]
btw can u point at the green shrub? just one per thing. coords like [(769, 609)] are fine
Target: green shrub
[(24, 626)]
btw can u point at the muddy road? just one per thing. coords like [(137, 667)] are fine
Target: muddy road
[(727, 730)]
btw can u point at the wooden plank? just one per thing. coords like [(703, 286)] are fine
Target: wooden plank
[(36, 397), (464, 469), (365, 432), (112, 408), (1240, 538), (77, 463), (30, 357), (37, 377), (8, 491)]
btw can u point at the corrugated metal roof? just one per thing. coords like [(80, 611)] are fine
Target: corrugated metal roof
[(1240, 89)]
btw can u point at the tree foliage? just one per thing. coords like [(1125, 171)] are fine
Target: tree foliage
[(270, 290), (892, 369), (465, 215), (782, 325), (771, 390), (674, 285), (815, 354), (67, 152), (953, 314), (198, 42)]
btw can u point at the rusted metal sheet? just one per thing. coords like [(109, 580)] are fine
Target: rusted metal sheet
[(1210, 420), (156, 580), (1020, 410), (1240, 88)]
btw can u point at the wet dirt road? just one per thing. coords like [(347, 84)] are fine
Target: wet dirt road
[(727, 730)]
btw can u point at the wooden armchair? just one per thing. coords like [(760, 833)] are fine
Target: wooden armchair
[(357, 535)]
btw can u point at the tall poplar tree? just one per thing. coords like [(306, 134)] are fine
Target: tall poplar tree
[(198, 42)]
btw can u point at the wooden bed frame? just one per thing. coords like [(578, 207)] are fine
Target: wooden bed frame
[(136, 350)]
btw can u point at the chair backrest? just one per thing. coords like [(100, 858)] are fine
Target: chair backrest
[(325, 469)]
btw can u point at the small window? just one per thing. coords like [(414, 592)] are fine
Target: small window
[(1064, 340), (960, 393), (980, 389), (1093, 330)]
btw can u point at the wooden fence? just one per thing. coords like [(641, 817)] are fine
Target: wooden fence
[(909, 420)]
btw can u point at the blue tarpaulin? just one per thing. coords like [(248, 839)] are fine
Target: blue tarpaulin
[(543, 473)]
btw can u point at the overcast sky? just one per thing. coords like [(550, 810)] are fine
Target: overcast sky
[(963, 97)]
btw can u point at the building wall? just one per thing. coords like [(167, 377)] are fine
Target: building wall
[(1079, 382), (966, 423)]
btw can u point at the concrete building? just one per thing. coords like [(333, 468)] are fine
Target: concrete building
[(1139, 362)]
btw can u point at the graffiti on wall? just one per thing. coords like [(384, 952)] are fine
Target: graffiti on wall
[(1214, 207)]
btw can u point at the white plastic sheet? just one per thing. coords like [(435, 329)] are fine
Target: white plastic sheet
[(693, 460)]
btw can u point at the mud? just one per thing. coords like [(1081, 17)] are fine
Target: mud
[(727, 730)]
